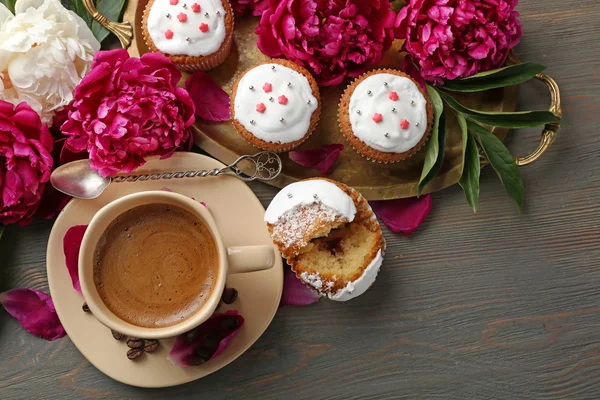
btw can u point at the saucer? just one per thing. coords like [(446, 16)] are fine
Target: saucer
[(239, 216)]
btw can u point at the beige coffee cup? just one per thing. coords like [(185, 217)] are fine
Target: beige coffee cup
[(232, 260)]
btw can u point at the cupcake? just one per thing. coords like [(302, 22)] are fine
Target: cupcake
[(275, 105), (195, 34), (385, 115), (329, 236)]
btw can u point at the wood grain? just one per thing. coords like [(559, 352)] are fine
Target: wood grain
[(493, 305)]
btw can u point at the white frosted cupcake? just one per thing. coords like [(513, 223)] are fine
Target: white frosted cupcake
[(195, 34), (275, 105), (329, 236)]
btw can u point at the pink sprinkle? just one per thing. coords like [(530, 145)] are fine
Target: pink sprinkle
[(260, 107), (169, 34), (393, 96), (267, 87), (203, 27), (182, 17), (377, 118), (196, 7), (282, 99), (174, 2), (404, 124)]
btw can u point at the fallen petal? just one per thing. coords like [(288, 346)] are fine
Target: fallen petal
[(403, 215), (321, 158), (206, 341), (35, 312), (211, 101), (71, 246), (295, 293)]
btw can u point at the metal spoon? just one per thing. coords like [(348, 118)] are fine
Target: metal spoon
[(78, 179)]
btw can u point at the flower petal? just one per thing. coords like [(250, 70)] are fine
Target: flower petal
[(295, 293), (403, 215), (321, 159), (52, 202), (212, 103), (71, 246), (206, 341), (35, 312)]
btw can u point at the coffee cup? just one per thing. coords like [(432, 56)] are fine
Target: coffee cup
[(231, 260)]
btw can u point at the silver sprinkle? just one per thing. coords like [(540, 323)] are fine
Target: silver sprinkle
[(184, 5), (290, 195), (369, 92), (206, 14), (168, 15), (417, 124), (252, 121), (393, 109), (385, 83), (358, 112), (273, 67), (218, 12), (315, 196), (412, 102), (251, 87), (270, 99), (281, 119), (308, 102), (386, 134), (187, 39), (289, 84)]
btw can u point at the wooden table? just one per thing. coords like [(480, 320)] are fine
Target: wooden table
[(492, 305)]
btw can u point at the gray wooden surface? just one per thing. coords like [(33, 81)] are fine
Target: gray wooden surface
[(492, 305)]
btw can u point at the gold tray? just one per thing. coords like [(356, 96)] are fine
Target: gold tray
[(375, 181)]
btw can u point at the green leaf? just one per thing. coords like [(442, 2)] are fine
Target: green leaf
[(502, 161), (462, 124), (10, 4), (437, 166), (498, 78), (521, 119), (469, 179), (432, 149), (113, 10), (1, 231)]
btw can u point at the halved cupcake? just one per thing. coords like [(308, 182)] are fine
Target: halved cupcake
[(275, 105), (195, 34), (385, 115), (329, 236)]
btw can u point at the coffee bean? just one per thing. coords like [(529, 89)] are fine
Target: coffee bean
[(211, 340), (134, 343), (229, 323), (195, 360), (229, 295), (117, 335), (150, 345), (132, 354), (204, 353), (85, 308)]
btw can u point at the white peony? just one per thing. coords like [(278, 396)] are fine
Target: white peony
[(45, 51)]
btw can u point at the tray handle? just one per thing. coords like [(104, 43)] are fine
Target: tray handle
[(122, 30), (550, 131)]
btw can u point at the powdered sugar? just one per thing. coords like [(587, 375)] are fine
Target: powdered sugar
[(294, 227)]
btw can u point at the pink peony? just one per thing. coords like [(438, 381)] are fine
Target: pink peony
[(333, 39), (256, 6), (453, 39), (127, 109), (25, 162)]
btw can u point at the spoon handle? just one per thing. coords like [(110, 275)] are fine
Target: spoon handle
[(263, 166)]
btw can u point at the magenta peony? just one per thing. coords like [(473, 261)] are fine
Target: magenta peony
[(452, 39), (256, 6), (127, 109), (25, 162), (333, 39)]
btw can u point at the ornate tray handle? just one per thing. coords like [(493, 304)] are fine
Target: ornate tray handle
[(550, 131), (122, 30)]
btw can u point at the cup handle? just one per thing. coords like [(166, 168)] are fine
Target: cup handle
[(250, 258)]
